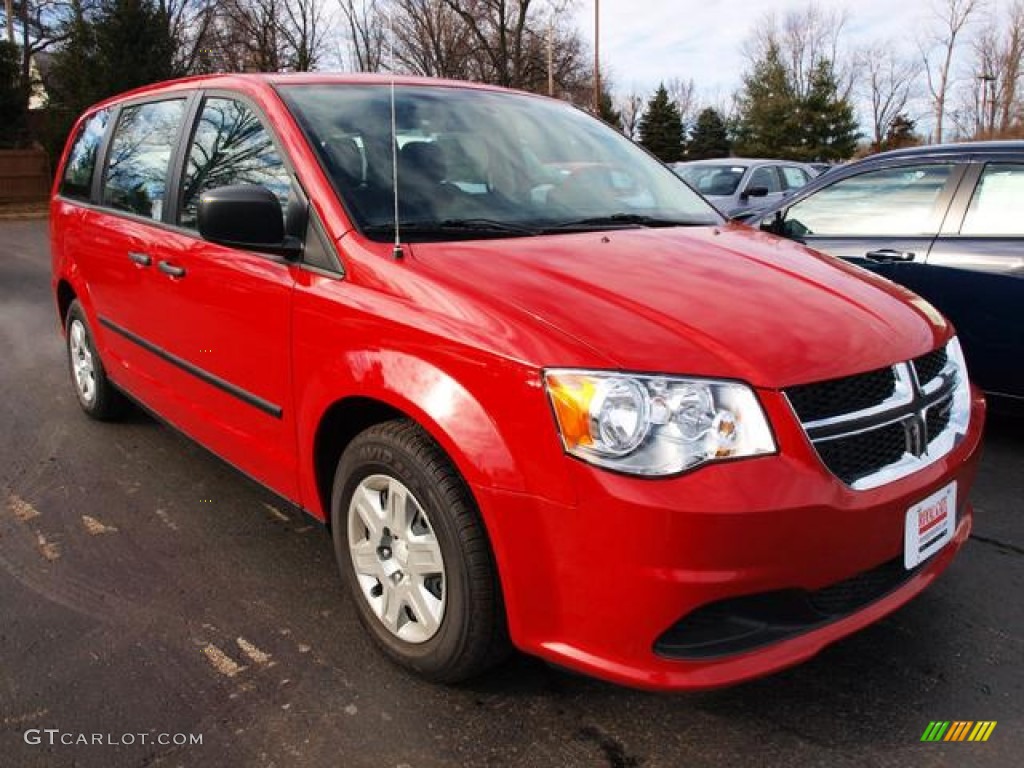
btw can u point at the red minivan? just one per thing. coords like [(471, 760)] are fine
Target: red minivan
[(541, 393)]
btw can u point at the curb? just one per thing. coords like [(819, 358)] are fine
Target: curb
[(23, 215)]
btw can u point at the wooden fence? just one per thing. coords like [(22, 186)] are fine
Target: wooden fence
[(24, 175)]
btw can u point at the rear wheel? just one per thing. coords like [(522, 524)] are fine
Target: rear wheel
[(414, 553), (97, 395)]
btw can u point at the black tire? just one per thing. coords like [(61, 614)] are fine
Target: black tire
[(472, 635), (106, 402)]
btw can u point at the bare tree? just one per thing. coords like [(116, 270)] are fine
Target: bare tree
[(683, 93), (38, 25), (256, 33), (988, 77), (431, 39), (303, 29), (572, 64), (631, 107), (366, 24), (499, 28), (1012, 55), (937, 51), (988, 101), (804, 39), (192, 25), (888, 82)]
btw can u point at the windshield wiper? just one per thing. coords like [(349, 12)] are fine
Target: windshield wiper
[(454, 226), (490, 224), (621, 220)]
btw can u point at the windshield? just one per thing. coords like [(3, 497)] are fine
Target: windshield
[(477, 163), (712, 180)]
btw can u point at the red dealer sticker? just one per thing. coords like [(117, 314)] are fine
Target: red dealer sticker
[(929, 526)]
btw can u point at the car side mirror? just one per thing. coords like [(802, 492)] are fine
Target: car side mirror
[(754, 192), (246, 216), (743, 217), (775, 223)]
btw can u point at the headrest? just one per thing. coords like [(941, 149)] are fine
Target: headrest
[(347, 159), (422, 158)]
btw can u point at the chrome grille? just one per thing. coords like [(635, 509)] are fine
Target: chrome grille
[(937, 418), (875, 427)]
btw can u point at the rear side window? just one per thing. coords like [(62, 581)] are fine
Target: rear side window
[(765, 177), (77, 180), (894, 201), (135, 179), (230, 146), (996, 205), (794, 177)]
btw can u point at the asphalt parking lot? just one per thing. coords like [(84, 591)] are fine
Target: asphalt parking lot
[(148, 588)]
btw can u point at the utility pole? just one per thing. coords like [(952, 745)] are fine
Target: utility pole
[(597, 57), (991, 106), (551, 56), (988, 98)]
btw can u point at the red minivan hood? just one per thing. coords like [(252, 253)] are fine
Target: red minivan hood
[(725, 301)]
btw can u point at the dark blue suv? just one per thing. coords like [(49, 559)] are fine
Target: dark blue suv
[(945, 221)]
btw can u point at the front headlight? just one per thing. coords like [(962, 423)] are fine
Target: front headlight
[(655, 425), (960, 410)]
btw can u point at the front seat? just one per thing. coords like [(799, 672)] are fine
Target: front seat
[(423, 191), (345, 161), (722, 185)]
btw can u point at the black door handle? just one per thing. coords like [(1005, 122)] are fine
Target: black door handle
[(142, 259), (889, 255), (171, 269)]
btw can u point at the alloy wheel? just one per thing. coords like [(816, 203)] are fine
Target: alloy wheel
[(82, 365), (397, 558)]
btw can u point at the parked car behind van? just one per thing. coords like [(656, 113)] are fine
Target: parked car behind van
[(544, 396), (945, 221), (737, 185)]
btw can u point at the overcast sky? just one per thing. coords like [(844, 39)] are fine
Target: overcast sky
[(646, 41)]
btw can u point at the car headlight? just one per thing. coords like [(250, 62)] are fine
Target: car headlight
[(655, 425), (960, 410)]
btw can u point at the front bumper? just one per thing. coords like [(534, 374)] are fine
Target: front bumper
[(593, 586)]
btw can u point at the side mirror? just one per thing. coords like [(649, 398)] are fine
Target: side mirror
[(776, 224), (245, 216), (754, 192), (743, 217)]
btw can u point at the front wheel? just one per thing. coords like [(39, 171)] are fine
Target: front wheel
[(414, 553)]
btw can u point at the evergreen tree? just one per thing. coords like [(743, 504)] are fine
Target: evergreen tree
[(661, 127), (776, 121), (122, 45), (134, 45), (828, 126), (73, 84), (768, 111), (902, 133), (709, 137), (12, 96), (609, 113)]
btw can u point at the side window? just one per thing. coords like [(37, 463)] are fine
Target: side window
[(135, 179), (765, 177), (996, 204), (230, 146), (77, 180), (894, 201), (794, 177)]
